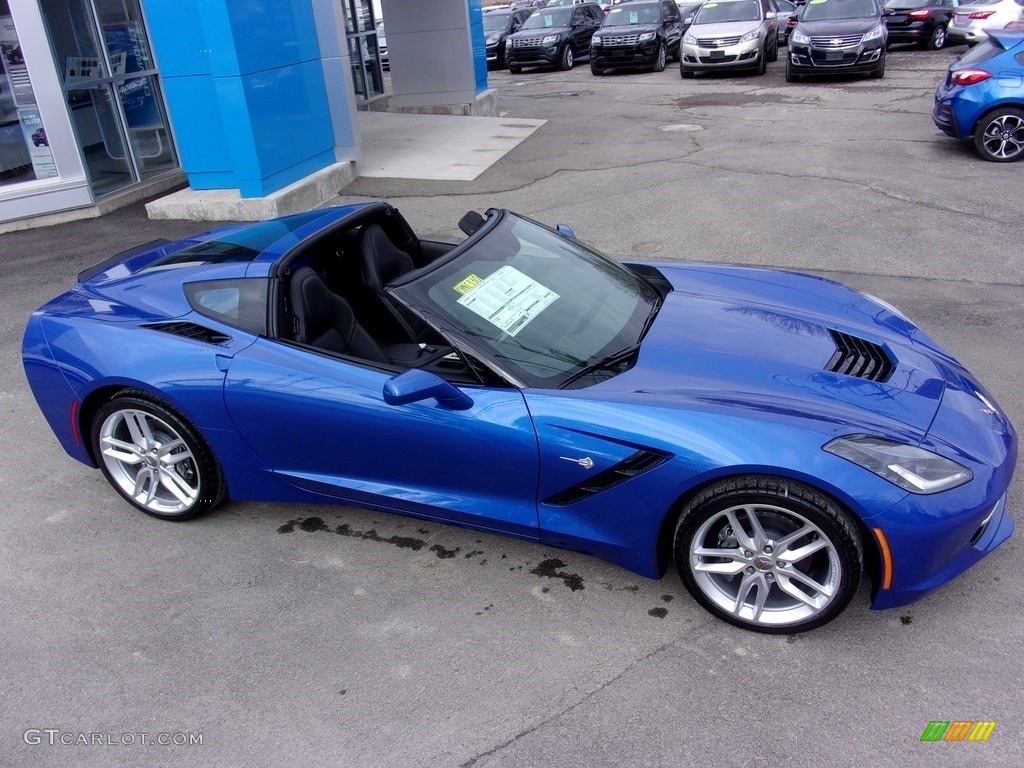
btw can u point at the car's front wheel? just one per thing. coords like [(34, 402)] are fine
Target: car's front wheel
[(566, 61), (791, 76), (154, 458), (768, 554), (659, 59), (685, 73), (999, 136)]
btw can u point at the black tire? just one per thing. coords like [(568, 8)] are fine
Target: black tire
[(999, 135), (762, 60), (513, 69), (937, 39), (128, 434), (791, 76), (595, 71), (775, 51), (686, 73), (660, 55), (566, 60), (678, 55), (879, 73), (732, 553)]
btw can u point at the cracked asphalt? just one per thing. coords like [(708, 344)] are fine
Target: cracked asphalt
[(335, 636)]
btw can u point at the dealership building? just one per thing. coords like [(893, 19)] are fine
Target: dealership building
[(253, 102)]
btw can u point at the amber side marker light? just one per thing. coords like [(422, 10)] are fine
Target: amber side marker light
[(883, 544)]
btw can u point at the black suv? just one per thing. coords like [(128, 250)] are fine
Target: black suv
[(836, 37), (553, 36), (637, 35), (498, 25)]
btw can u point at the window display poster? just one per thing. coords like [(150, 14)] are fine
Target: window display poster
[(37, 142), (14, 63)]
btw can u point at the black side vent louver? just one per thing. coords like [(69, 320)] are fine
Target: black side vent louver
[(860, 358), (627, 469), (190, 331)]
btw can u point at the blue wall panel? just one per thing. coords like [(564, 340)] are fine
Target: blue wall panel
[(476, 31)]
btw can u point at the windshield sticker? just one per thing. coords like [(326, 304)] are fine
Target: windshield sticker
[(549, 21), (507, 299), (634, 17), (469, 284), (715, 5), (616, 10)]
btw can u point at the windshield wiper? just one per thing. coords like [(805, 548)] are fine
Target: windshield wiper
[(609, 361)]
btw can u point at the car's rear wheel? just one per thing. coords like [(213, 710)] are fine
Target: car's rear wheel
[(659, 59), (937, 39), (154, 458), (999, 136), (566, 60), (768, 554)]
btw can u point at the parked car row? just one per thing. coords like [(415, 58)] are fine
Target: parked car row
[(980, 100)]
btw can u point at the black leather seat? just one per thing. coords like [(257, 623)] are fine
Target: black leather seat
[(382, 262), (325, 320)]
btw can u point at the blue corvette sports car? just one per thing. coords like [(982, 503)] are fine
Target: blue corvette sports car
[(775, 435)]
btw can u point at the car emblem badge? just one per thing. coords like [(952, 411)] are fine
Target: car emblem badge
[(835, 41), (586, 462), (718, 43)]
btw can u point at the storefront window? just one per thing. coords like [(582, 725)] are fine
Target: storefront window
[(361, 30), (112, 90), (24, 148)]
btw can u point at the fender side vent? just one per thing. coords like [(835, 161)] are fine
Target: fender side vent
[(627, 469), (190, 331), (860, 358)]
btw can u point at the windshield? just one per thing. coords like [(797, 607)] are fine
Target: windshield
[(496, 22), (633, 13), (538, 305), (549, 17), (739, 10), (817, 10)]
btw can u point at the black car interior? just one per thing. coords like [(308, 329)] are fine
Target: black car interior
[(331, 296)]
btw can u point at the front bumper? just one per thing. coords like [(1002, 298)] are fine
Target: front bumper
[(542, 56), (624, 57), (739, 56), (809, 60)]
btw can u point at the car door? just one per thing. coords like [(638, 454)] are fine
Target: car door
[(321, 423), (672, 24)]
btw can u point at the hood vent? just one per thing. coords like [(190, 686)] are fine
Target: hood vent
[(190, 331), (860, 358), (627, 469)]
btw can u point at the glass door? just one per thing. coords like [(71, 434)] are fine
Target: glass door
[(112, 90)]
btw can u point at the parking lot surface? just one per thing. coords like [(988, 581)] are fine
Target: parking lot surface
[(280, 642)]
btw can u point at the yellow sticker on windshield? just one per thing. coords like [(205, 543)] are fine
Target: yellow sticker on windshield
[(468, 284), (817, 2), (710, 5), (616, 10)]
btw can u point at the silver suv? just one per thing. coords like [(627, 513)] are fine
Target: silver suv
[(731, 34)]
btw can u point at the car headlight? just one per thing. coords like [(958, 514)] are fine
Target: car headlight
[(549, 39), (595, 40), (689, 39), (647, 37), (873, 34), (492, 40), (799, 38), (751, 35), (912, 469)]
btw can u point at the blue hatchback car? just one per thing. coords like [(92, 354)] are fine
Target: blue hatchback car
[(983, 97), (775, 435)]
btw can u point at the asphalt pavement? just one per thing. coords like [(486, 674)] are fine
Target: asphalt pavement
[(275, 641)]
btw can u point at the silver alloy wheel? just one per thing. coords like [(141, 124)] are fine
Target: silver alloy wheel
[(938, 38), (149, 461), (765, 564), (1003, 137)]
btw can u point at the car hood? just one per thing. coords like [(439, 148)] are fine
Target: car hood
[(762, 341), (628, 29), (540, 32), (838, 26), (723, 29)]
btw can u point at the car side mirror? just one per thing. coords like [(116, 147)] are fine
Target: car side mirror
[(771, 15), (688, 20), (416, 385), (565, 229)]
